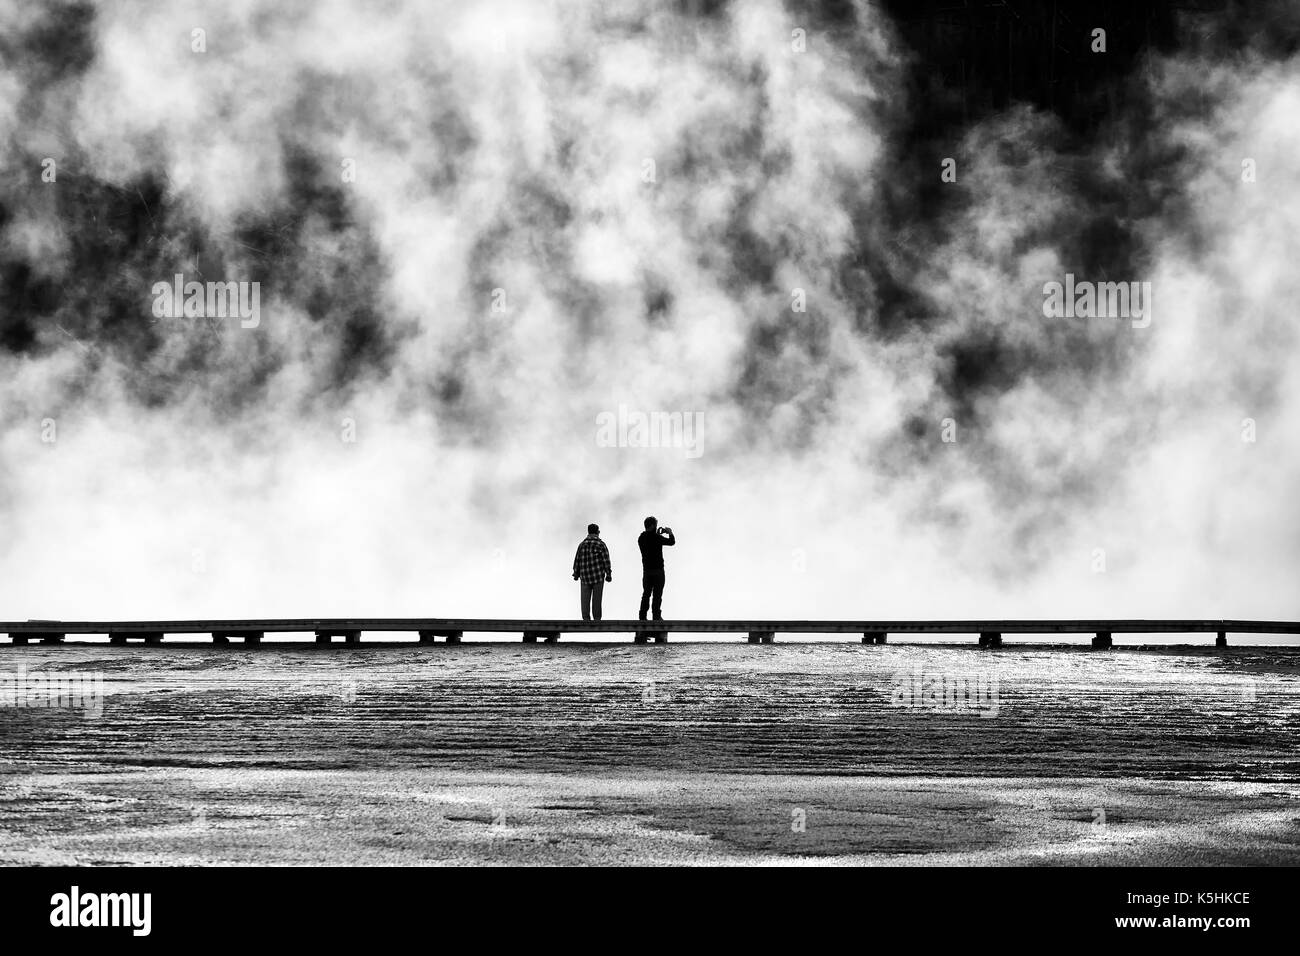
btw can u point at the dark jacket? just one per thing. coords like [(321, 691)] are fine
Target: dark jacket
[(652, 545)]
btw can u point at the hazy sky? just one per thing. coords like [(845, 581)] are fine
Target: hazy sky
[(641, 193)]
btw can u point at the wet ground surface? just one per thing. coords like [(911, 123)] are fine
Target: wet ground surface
[(827, 752)]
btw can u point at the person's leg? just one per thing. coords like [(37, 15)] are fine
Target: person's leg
[(646, 583), (597, 590), (586, 601), (659, 596)]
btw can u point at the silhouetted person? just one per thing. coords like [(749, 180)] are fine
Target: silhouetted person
[(591, 566), (652, 543)]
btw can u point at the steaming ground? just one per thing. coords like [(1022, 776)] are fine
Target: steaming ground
[(414, 421), (502, 753)]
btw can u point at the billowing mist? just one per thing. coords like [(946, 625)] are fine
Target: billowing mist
[(475, 234)]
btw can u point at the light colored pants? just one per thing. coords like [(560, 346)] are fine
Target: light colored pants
[(591, 600)]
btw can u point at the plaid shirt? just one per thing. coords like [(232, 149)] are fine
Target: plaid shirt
[(591, 563)]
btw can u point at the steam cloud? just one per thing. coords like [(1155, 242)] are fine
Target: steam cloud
[(199, 469)]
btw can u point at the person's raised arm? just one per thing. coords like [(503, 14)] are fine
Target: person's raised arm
[(672, 539)]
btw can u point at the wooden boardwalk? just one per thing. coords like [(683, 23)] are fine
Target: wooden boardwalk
[(452, 630)]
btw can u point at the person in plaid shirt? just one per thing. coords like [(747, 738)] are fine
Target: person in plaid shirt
[(591, 566)]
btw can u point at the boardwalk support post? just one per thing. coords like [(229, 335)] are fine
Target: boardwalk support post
[(532, 637), (327, 635), (874, 637), (248, 637), (1102, 640), (1221, 640), (990, 639), (149, 637), (642, 637), (453, 637), (45, 637), (762, 637)]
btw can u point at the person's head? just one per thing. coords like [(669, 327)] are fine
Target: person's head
[(650, 523), (593, 529)]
